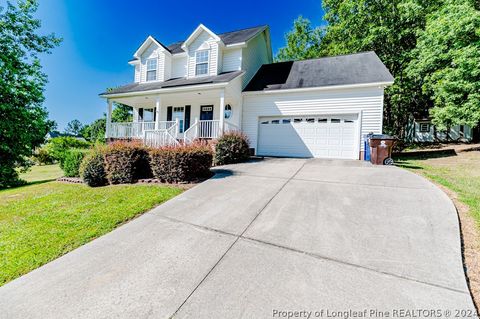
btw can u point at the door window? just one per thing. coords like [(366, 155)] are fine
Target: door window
[(179, 113)]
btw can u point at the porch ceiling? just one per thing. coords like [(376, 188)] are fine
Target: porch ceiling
[(147, 100)]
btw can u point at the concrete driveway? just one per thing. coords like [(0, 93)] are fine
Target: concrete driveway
[(269, 239)]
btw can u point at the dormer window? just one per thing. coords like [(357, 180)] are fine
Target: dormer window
[(151, 69), (201, 62)]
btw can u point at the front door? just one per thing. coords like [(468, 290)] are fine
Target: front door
[(206, 121), (206, 113)]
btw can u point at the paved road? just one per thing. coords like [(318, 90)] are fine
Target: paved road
[(261, 239)]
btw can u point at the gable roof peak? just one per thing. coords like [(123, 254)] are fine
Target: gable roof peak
[(196, 33), (147, 43)]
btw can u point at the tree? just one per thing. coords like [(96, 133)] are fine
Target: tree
[(24, 121), (95, 132), (447, 64), (74, 127), (390, 28), (122, 113), (303, 42)]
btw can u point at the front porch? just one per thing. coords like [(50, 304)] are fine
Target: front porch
[(180, 117)]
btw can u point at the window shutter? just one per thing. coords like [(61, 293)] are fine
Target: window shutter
[(140, 114), (169, 113), (187, 116)]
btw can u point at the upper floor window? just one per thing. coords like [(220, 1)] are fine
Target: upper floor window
[(201, 62), (151, 69)]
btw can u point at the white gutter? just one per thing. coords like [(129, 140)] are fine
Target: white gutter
[(319, 88), (167, 90), (236, 45)]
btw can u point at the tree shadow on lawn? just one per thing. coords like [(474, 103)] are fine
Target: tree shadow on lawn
[(24, 183), (407, 160)]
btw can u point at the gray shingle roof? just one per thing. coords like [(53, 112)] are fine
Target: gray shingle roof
[(359, 68), (231, 37), (148, 86)]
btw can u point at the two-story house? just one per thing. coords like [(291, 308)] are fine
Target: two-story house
[(213, 83)]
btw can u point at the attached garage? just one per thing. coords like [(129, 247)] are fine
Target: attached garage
[(315, 108), (326, 136)]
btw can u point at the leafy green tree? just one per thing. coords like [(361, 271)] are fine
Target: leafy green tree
[(95, 132), (390, 28), (447, 64), (24, 121), (74, 127), (303, 42), (122, 113)]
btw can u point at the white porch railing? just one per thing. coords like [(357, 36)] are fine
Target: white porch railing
[(135, 129), (158, 138), (230, 127), (168, 131), (203, 130)]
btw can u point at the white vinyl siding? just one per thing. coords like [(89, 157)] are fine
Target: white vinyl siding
[(167, 71), (367, 102), (137, 73), (203, 42), (232, 60), (253, 56), (179, 67)]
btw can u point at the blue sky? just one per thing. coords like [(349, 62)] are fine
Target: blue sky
[(101, 36)]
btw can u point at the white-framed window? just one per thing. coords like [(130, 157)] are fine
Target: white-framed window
[(179, 113), (148, 115), (151, 69), (424, 127), (201, 62)]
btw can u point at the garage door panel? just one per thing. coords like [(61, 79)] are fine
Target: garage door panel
[(308, 136)]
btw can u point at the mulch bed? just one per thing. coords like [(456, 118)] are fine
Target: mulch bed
[(72, 180), (184, 186)]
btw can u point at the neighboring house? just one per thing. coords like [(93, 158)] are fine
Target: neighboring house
[(423, 131), (54, 134), (214, 83)]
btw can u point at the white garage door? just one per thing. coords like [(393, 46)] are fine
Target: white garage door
[(332, 136)]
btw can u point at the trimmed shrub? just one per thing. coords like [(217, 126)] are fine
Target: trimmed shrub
[(92, 169), (181, 163), (126, 162), (72, 161), (231, 148)]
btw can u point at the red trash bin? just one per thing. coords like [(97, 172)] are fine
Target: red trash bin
[(381, 147)]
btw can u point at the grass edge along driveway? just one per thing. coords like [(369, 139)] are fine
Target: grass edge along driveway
[(459, 175), (41, 222)]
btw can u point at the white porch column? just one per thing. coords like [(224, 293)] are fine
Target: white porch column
[(196, 127), (135, 114), (177, 127), (158, 105), (222, 111), (109, 119)]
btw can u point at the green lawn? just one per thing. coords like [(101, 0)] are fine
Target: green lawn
[(43, 221), (459, 173), (42, 173)]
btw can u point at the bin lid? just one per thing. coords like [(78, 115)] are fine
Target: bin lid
[(381, 137)]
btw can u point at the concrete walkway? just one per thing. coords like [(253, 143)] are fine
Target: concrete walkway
[(261, 240)]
